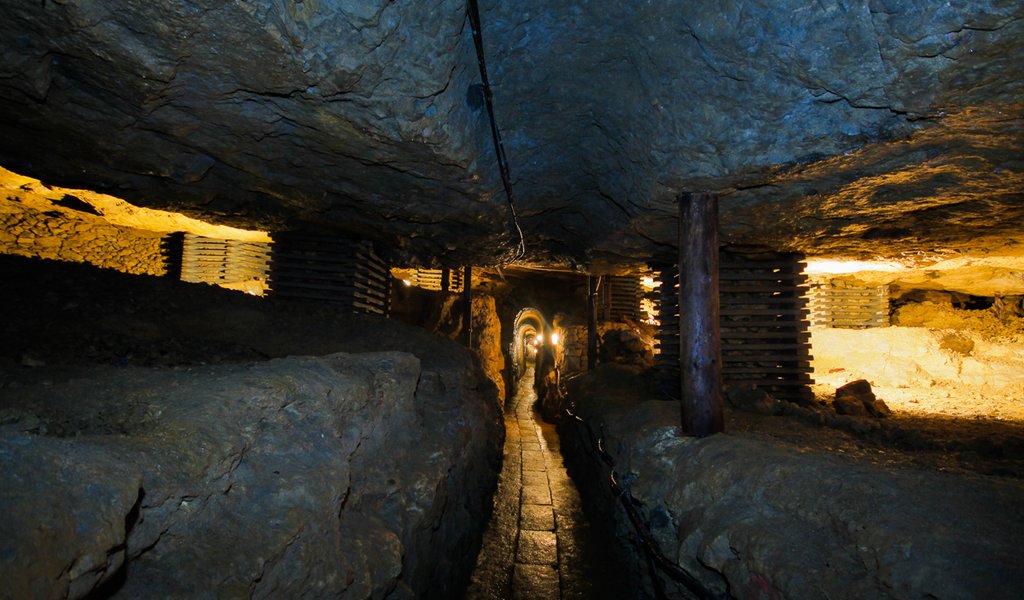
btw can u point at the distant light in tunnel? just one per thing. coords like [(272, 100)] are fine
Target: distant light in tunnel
[(555, 338), (406, 282)]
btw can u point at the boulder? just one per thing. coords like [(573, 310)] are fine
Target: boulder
[(444, 314), (879, 408), (347, 476), (751, 398), (622, 343), (848, 405), (857, 399)]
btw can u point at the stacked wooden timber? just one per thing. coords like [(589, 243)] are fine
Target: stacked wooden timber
[(764, 323), (618, 297), (330, 269), (849, 307), (431, 279), (222, 262)]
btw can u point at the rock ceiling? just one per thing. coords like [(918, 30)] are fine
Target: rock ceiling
[(871, 127)]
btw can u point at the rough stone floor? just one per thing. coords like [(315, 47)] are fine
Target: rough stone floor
[(538, 544)]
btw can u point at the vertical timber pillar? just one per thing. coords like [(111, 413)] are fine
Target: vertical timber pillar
[(700, 344), (446, 279), (467, 302), (591, 322)]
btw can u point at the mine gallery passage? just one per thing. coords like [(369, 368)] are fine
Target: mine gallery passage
[(539, 543), (535, 299)]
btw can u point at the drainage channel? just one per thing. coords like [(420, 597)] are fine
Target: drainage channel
[(539, 544)]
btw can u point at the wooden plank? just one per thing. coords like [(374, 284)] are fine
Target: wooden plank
[(735, 326), (745, 335), (778, 278), (738, 311), (734, 357), (732, 347), (732, 301), (753, 263)]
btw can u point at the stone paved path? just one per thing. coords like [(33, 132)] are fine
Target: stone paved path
[(538, 544)]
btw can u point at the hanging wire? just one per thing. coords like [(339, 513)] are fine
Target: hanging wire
[(499, 148), (620, 490)]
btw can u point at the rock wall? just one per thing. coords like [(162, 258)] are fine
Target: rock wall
[(347, 476), (968, 366), (60, 236), (487, 341), (860, 126), (442, 314), (751, 518), (575, 348)]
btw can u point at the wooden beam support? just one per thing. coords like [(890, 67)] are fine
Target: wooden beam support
[(700, 355), (591, 322), (446, 279)]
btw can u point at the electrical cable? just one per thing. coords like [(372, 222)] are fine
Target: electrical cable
[(650, 545), (473, 11)]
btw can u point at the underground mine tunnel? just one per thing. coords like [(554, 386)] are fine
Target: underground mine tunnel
[(595, 299)]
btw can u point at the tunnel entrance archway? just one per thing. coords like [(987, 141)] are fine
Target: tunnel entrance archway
[(529, 330)]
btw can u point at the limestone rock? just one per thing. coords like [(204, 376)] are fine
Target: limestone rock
[(622, 343), (849, 405), (735, 503), (487, 341), (443, 314), (836, 126), (347, 476), (857, 399), (752, 399)]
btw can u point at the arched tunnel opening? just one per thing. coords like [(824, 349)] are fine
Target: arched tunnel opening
[(511, 300)]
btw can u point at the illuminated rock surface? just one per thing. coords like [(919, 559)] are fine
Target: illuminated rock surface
[(871, 127)]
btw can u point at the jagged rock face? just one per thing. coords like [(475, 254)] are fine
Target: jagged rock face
[(346, 476), (870, 126), (613, 108), (749, 517), (350, 114)]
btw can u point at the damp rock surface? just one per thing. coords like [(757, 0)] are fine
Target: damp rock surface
[(148, 445), (342, 476), (867, 126), (764, 511)]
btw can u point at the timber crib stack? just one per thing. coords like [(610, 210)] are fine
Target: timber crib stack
[(432, 279), (223, 262), (764, 324), (618, 298), (849, 307), (666, 339), (329, 269)]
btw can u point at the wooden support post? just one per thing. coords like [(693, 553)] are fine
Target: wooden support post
[(700, 344), (591, 322), (446, 279), (467, 299)]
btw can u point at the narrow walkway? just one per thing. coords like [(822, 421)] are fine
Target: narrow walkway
[(538, 544)]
